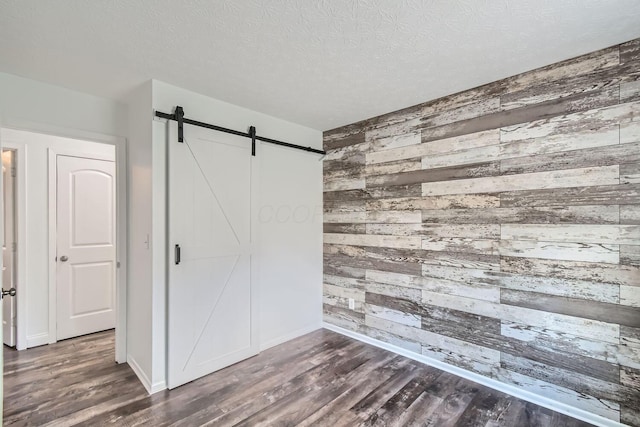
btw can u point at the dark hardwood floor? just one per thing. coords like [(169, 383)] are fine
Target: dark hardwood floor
[(322, 378)]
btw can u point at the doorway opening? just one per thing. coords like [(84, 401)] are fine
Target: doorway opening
[(69, 192), (9, 246)]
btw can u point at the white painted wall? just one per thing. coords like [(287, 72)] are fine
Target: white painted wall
[(289, 241), (139, 296), (290, 229), (35, 280), (26, 103)]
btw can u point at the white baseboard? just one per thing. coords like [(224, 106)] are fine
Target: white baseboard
[(158, 386), (38, 340), (151, 388), (481, 379), (290, 336)]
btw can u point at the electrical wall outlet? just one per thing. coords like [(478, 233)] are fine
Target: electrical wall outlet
[(352, 303)]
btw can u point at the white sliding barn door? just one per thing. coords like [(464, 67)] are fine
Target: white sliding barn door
[(211, 300), (86, 246)]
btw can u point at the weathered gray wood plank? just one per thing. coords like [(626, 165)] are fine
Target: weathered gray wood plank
[(385, 143), (591, 271), (471, 110), (630, 295), (602, 311), (630, 91), (594, 195), (335, 206), (603, 175), (342, 184), (530, 215), (595, 233), (431, 175), (553, 108), (470, 231), (460, 244), (443, 146), (582, 65), (583, 384), (630, 214), (555, 321), (339, 140), (343, 270), (590, 252), (435, 202), (481, 331), (547, 90), (394, 217), (605, 408), (604, 156), (583, 289), (556, 143), (344, 228), (617, 354), (394, 167), (630, 255), (630, 173), (408, 242), (344, 171), (630, 132), (357, 217), (343, 317), (471, 290), (630, 415), (630, 52), (416, 257), (578, 122)]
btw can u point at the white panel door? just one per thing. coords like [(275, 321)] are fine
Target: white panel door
[(211, 300), (8, 248), (86, 251)]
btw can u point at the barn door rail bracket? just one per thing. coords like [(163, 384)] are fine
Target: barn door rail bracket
[(179, 117)]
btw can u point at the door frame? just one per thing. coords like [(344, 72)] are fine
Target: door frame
[(120, 144), (20, 235)]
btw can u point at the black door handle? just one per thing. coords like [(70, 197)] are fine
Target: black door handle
[(177, 251), (10, 293)]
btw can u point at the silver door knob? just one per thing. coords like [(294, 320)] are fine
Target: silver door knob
[(64, 258)]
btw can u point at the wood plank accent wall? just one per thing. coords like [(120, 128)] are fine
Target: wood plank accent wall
[(498, 230)]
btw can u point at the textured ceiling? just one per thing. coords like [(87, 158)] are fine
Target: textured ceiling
[(321, 63)]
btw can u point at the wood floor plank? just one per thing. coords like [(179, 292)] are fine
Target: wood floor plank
[(396, 405), (319, 379)]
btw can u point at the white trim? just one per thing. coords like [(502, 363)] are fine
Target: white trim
[(120, 144), (481, 379), (254, 190), (22, 342), (122, 236), (157, 386), (290, 336), (61, 131), (52, 197), (37, 340), (151, 388)]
